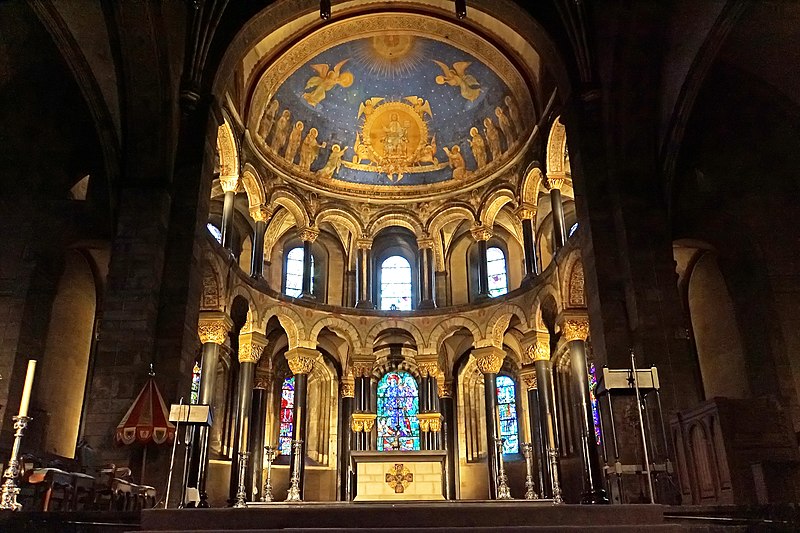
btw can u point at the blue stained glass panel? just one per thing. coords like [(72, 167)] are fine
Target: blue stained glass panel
[(507, 414), (286, 416), (598, 437), (398, 406)]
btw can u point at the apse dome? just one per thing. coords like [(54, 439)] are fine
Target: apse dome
[(391, 106)]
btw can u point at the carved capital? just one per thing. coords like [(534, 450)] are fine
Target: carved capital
[(362, 369), (308, 234), (301, 360), (213, 327), (251, 346), (481, 233), (489, 359), (260, 213), (429, 421), (425, 243), (229, 183), (528, 376), (555, 182), (526, 211), (444, 388), (429, 369), (263, 379), (575, 328), (362, 422), (539, 350), (364, 243)]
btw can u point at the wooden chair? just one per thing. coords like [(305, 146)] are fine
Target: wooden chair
[(52, 489), (82, 492)]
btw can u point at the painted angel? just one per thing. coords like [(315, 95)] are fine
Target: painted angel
[(457, 76), (325, 80), (334, 162), (368, 106), (420, 105)]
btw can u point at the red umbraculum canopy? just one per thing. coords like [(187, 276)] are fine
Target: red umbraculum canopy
[(147, 420)]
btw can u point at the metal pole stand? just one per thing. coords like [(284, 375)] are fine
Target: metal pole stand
[(10, 491), (294, 488), (270, 454), (553, 454), (527, 451), (503, 492), (241, 493)]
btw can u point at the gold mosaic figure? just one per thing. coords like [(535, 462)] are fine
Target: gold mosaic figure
[(281, 130), (267, 119), (458, 77), (325, 80), (334, 162), (294, 141), (456, 162), (505, 126), (493, 137), (478, 146), (310, 149)]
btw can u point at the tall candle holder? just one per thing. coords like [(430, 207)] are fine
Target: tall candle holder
[(270, 454), (553, 453), (527, 452), (10, 491), (294, 488), (241, 493), (503, 492)]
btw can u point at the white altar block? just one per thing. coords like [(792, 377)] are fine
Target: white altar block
[(396, 475)]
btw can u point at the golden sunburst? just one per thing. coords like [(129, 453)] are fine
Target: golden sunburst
[(389, 55)]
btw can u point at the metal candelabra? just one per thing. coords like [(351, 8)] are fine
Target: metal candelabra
[(241, 493), (270, 454), (10, 491), (294, 488), (503, 492), (553, 454), (527, 451)]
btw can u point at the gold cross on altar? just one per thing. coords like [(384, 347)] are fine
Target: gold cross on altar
[(399, 477)]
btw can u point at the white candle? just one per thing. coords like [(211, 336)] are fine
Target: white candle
[(26, 392)]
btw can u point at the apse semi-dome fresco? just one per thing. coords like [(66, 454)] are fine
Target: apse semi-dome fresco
[(380, 104)]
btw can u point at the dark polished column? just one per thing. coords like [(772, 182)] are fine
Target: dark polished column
[(527, 215), (301, 362), (576, 331), (427, 277), (481, 234), (448, 437), (528, 376), (363, 417), (261, 215), (308, 236), (228, 184), (363, 275), (489, 361), (347, 399), (258, 421), (559, 225), (430, 419), (213, 329), (541, 363)]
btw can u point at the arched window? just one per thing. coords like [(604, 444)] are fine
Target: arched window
[(287, 417), (398, 405), (507, 407), (293, 279), (573, 229), (215, 231), (496, 269), (396, 284)]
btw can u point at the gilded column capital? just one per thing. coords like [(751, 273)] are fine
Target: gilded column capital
[(489, 359), (555, 182), (429, 369), (229, 183), (364, 243), (539, 348), (528, 376), (213, 326), (526, 211), (425, 243), (260, 213), (308, 234), (362, 422), (263, 379), (575, 327), (481, 233), (362, 369), (251, 346), (301, 360), (429, 421), (444, 388)]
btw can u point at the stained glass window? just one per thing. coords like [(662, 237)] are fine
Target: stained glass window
[(194, 396), (215, 231), (496, 269), (573, 229), (595, 404), (507, 408), (396, 284), (294, 272), (398, 405), (287, 416)]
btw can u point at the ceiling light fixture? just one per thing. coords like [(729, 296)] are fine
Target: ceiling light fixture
[(461, 9), (325, 9)]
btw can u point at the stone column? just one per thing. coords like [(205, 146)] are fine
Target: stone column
[(489, 360), (228, 184), (212, 328), (430, 419), (251, 345), (261, 215), (528, 376), (364, 274), (559, 225), (427, 277), (527, 215), (481, 234), (445, 392), (301, 363), (539, 352), (308, 236), (363, 419), (347, 393), (261, 385), (576, 331)]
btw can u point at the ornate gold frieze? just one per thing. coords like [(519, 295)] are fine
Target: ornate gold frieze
[(213, 327), (260, 213), (489, 359), (362, 369), (347, 389), (445, 388), (575, 329), (428, 369), (362, 422), (539, 350), (251, 346)]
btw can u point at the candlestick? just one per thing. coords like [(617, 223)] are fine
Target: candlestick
[(294, 487), (503, 491), (241, 493), (270, 454), (26, 391), (10, 491)]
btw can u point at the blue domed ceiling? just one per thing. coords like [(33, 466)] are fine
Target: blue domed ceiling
[(402, 107)]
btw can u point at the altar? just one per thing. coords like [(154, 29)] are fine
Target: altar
[(398, 475)]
